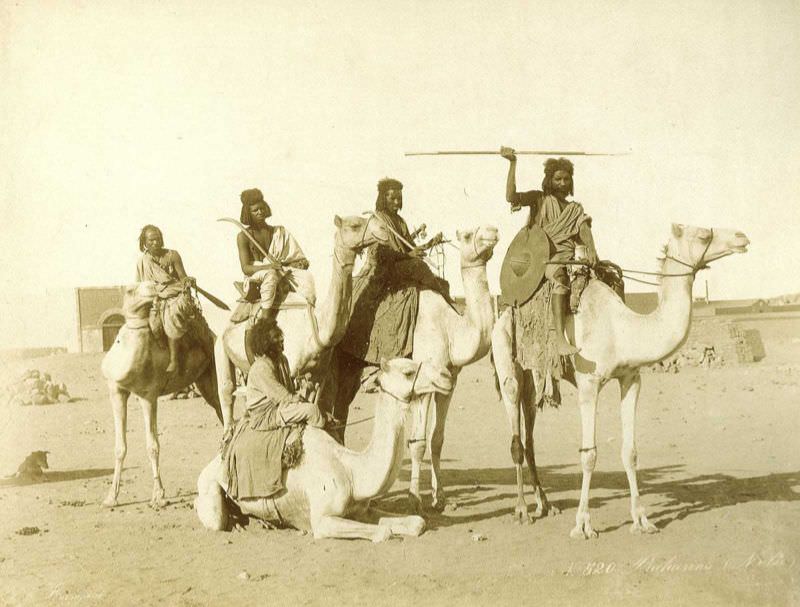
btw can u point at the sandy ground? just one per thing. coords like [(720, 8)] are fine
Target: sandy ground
[(719, 466)]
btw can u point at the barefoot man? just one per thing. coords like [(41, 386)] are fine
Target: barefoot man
[(564, 222)]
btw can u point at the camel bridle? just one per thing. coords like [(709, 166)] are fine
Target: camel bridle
[(411, 392), (701, 264)]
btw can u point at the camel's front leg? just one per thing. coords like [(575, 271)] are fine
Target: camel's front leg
[(416, 447), (342, 528), (399, 525), (588, 390), (225, 381), (543, 507), (119, 405), (150, 413), (442, 406), (509, 385), (629, 391)]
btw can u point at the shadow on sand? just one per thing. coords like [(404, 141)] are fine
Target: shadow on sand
[(56, 477), (676, 496)]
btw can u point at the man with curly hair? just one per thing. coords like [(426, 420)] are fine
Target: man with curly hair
[(565, 223)]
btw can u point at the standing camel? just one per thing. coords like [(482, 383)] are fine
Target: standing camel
[(448, 339), (333, 485), (136, 364), (310, 331), (614, 343)]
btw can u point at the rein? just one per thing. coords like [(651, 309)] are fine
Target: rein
[(385, 391), (413, 383), (480, 262), (695, 268)]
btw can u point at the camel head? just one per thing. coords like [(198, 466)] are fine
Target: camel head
[(697, 247), (406, 379), (138, 299), (477, 245), (356, 233)]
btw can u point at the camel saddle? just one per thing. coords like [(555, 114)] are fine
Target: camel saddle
[(523, 267), (249, 301)]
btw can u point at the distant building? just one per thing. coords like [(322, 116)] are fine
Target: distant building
[(99, 317)]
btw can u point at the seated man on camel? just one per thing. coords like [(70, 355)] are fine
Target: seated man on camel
[(565, 223), (173, 301), (385, 301), (269, 257), (253, 452)]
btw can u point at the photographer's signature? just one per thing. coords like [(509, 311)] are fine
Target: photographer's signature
[(679, 564)]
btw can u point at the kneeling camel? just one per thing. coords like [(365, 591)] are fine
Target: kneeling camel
[(329, 491)]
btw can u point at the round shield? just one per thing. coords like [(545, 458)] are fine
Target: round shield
[(524, 264)]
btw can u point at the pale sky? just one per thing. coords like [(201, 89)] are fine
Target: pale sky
[(114, 115)]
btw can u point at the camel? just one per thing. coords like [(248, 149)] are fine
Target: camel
[(136, 364), (328, 493), (310, 331), (614, 343), (446, 338)]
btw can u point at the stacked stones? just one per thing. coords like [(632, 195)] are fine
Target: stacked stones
[(35, 388), (713, 343)]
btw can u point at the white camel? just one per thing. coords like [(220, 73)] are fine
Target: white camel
[(614, 343), (451, 340), (136, 364), (310, 331), (328, 493)]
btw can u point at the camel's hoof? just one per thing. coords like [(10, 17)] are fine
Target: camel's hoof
[(646, 528), (415, 504), (158, 502), (583, 533), (382, 534), (439, 503), (546, 511), (110, 502), (416, 525), (521, 517)]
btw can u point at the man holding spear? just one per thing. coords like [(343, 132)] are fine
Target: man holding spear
[(564, 222)]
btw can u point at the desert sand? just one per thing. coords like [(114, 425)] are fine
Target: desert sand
[(719, 469)]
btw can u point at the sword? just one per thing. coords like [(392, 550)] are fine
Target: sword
[(243, 229), (214, 300), (523, 152), (400, 238)]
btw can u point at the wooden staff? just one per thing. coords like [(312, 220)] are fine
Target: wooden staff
[(523, 152)]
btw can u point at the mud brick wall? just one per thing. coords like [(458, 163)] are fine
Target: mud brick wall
[(714, 343)]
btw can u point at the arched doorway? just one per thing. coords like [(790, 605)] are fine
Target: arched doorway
[(111, 326)]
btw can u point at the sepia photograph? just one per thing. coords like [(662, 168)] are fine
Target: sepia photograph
[(361, 303)]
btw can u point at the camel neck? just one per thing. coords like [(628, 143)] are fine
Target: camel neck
[(334, 311), (375, 469), (673, 315), (471, 337)]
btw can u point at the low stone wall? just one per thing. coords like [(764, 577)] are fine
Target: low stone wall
[(715, 343)]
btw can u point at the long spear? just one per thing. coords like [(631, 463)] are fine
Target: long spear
[(528, 152)]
